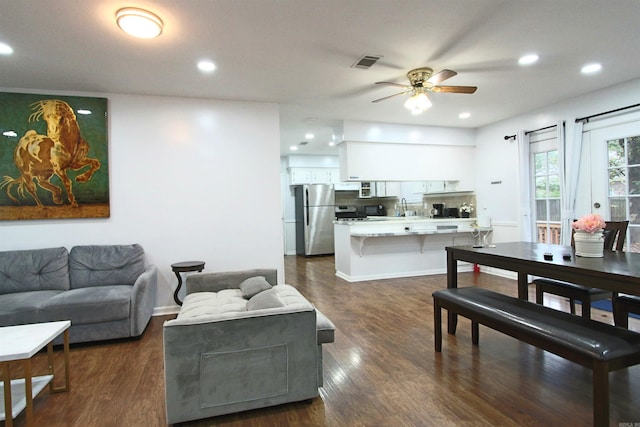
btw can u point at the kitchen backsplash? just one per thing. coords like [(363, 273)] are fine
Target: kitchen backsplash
[(393, 204)]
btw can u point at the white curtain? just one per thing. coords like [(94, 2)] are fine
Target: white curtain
[(569, 155), (526, 224)]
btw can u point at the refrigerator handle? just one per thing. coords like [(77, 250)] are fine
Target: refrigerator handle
[(306, 204)]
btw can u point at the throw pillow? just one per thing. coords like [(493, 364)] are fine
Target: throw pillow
[(253, 286), (265, 299)]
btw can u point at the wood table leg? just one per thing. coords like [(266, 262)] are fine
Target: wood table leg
[(452, 282), (28, 391), (8, 405), (523, 286), (67, 382)]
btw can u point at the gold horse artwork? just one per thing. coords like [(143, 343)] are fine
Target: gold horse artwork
[(41, 157)]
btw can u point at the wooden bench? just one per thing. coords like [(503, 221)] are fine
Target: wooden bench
[(595, 345)]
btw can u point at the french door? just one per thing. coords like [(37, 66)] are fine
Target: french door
[(615, 176)]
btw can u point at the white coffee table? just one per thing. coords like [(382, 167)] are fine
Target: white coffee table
[(19, 344)]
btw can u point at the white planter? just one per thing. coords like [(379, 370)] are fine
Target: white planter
[(589, 245)]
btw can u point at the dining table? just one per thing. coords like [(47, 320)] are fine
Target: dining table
[(616, 271)]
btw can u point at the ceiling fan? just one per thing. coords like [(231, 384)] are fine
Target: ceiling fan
[(423, 80)]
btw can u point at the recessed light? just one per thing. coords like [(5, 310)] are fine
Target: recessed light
[(139, 22), (309, 136), (591, 68), (206, 66), (293, 148), (5, 49), (83, 112), (332, 144), (464, 115), (10, 133), (528, 59)]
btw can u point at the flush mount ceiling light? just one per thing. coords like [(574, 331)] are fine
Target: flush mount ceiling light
[(591, 68), (419, 102), (529, 59), (139, 22), (5, 49)]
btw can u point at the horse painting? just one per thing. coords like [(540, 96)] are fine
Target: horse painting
[(40, 157)]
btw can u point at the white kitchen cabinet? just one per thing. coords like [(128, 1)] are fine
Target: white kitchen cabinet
[(435, 186), (387, 189), (364, 161), (300, 176), (412, 191), (314, 175)]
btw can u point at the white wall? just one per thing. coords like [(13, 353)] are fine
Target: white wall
[(497, 159), (190, 179)]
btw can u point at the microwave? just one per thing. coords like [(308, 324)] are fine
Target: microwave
[(374, 210)]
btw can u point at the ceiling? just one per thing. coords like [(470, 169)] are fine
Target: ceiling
[(299, 54)]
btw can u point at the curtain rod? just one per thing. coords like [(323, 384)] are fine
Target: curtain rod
[(538, 130), (586, 118)]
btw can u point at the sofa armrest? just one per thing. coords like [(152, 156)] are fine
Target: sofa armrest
[(143, 297), (239, 364), (214, 282)]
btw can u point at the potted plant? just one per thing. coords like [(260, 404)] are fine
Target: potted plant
[(465, 210), (588, 236)]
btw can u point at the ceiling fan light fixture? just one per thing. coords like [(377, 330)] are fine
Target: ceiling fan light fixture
[(418, 103), (139, 22)]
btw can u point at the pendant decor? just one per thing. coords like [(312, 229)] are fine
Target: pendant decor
[(589, 245)]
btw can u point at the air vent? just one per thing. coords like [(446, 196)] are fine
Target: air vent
[(366, 61)]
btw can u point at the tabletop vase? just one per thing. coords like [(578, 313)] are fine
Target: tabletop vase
[(589, 245)]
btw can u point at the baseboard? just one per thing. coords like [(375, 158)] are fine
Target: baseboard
[(352, 279), (167, 310)]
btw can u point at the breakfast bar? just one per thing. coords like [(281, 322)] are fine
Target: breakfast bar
[(390, 247)]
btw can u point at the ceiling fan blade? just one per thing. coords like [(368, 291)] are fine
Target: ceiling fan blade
[(454, 89), (441, 76), (391, 96), (393, 84)]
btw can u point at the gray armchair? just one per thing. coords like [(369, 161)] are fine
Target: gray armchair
[(221, 357)]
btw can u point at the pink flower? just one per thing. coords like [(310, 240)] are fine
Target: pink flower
[(589, 223)]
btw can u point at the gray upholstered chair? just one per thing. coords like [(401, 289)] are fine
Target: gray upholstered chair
[(227, 353), (614, 233)]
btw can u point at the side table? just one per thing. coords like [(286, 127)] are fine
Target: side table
[(184, 267)]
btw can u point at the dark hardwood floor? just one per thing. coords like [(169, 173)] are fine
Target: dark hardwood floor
[(381, 371)]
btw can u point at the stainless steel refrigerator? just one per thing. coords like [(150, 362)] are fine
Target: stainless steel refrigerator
[(315, 212)]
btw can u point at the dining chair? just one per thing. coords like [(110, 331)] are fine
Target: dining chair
[(624, 304), (615, 232)]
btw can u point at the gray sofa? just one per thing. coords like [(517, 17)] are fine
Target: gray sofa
[(235, 347), (106, 291)]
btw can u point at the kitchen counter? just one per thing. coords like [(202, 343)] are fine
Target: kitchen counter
[(388, 247)]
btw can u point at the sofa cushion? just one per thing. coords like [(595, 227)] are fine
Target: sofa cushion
[(207, 303), (23, 307), (105, 265), (89, 305), (202, 307), (34, 270), (253, 286), (265, 299)]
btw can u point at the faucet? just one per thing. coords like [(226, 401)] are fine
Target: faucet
[(403, 206)]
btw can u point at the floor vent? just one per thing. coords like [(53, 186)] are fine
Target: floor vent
[(366, 61)]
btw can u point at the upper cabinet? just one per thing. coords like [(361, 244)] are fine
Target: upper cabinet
[(314, 175), (369, 161)]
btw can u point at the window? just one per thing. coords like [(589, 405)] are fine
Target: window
[(547, 196), (623, 160)]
